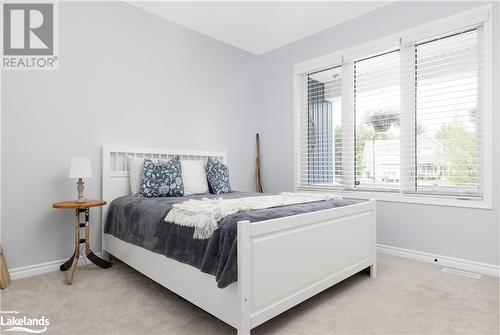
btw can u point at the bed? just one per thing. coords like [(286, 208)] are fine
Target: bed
[(278, 261)]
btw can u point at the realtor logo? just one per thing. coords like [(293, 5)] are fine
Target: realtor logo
[(14, 321), (28, 29), (29, 36)]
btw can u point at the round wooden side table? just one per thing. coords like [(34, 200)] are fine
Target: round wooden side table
[(81, 207)]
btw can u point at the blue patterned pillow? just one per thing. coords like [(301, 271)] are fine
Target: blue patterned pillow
[(218, 177), (162, 179)]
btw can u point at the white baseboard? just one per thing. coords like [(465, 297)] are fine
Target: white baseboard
[(37, 269), (457, 263)]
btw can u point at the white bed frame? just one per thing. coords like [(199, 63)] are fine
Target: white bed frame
[(281, 262)]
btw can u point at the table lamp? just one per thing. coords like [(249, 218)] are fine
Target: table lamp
[(79, 169)]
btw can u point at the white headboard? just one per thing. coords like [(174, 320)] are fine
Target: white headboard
[(115, 177)]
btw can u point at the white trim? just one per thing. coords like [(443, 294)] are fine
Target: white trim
[(298, 90), (422, 199), (457, 263), (347, 55), (470, 18), (448, 24), (159, 151), (487, 117), (41, 268)]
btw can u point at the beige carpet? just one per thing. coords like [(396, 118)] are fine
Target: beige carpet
[(406, 298)]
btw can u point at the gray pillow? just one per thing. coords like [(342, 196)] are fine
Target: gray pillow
[(161, 179), (218, 176)]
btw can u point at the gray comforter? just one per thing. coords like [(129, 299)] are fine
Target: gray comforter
[(140, 221)]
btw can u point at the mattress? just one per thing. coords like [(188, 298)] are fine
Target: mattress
[(140, 221)]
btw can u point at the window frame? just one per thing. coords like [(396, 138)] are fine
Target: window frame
[(372, 187), (481, 15)]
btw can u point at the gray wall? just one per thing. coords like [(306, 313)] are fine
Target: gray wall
[(471, 234), (126, 77)]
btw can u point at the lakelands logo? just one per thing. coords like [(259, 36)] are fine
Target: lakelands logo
[(30, 36), (12, 321)]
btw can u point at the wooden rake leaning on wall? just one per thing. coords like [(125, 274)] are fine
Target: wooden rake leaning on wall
[(258, 180)]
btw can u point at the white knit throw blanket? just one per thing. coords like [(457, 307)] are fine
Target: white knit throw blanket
[(205, 214)]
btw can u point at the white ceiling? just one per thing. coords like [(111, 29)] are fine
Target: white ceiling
[(259, 26)]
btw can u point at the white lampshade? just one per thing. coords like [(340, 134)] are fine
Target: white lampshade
[(80, 168)]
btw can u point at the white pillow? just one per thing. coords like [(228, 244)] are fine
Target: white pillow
[(135, 169), (194, 177)]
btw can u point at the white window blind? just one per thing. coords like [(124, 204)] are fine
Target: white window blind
[(445, 147), (376, 112), (408, 119), (319, 129)]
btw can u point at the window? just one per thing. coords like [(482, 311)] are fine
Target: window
[(322, 156), (376, 113), (410, 119), (446, 108)]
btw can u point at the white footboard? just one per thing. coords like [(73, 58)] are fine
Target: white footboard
[(282, 262)]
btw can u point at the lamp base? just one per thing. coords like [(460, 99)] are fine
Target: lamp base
[(80, 186)]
